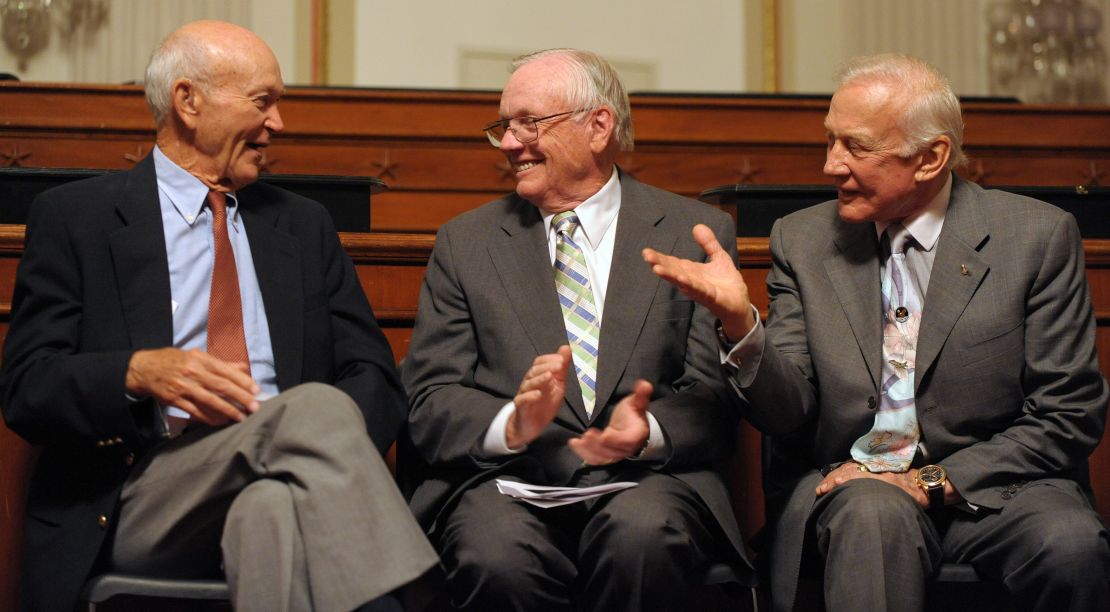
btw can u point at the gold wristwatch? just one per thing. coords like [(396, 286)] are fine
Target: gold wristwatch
[(931, 479)]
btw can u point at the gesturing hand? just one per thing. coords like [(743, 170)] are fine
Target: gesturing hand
[(715, 284), (210, 390), (539, 397), (625, 435)]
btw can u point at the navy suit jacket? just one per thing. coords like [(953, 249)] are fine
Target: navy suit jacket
[(93, 287)]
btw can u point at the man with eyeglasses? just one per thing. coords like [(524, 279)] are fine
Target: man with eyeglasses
[(546, 352)]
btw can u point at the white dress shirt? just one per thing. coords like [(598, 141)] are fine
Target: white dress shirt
[(596, 234)]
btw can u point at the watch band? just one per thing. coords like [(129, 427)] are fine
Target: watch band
[(936, 497)]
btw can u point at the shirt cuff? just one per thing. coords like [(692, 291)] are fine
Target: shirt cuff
[(657, 446), (742, 359), (494, 445)]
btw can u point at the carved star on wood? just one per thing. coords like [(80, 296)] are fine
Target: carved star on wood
[(386, 166), (136, 156), (15, 158), (746, 172), (1093, 176)]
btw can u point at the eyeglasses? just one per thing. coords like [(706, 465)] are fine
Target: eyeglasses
[(525, 129)]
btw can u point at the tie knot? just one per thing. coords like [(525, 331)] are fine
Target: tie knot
[(565, 222), (217, 201), (898, 236)]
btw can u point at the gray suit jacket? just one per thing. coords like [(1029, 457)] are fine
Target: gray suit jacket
[(488, 308), (1008, 387)]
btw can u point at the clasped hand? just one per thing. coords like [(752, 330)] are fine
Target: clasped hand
[(212, 391), (850, 470), (542, 392)]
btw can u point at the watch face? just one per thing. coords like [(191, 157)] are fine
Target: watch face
[(931, 475)]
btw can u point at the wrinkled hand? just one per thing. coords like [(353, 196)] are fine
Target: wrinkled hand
[(715, 284), (212, 391), (539, 397), (907, 481), (625, 435)]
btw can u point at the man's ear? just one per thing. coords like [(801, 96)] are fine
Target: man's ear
[(602, 122), (934, 159), (185, 102)]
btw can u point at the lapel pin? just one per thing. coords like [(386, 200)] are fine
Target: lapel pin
[(963, 270)]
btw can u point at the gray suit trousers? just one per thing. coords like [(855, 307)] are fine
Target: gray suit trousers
[(1048, 547), (294, 500)]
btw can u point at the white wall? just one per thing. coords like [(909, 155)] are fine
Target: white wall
[(661, 45), (691, 46), (820, 34), (118, 51)]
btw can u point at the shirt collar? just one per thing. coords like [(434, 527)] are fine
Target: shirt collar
[(925, 225), (186, 192), (597, 213)]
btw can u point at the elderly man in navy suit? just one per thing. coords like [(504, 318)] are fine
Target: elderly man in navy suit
[(164, 323)]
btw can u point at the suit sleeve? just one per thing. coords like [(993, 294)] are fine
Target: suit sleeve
[(450, 412), (700, 417), (1064, 410), (783, 391), (54, 391), (363, 360)]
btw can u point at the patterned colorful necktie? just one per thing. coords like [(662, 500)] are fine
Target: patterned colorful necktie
[(892, 441), (572, 283), (226, 339)]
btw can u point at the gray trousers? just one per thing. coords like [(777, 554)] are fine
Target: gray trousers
[(1047, 546), (640, 549), (294, 501)]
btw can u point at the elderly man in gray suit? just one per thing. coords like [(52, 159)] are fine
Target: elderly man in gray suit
[(516, 293), (928, 367)]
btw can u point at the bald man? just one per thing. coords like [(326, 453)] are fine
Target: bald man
[(197, 359)]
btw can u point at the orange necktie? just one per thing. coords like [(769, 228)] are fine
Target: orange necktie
[(226, 339)]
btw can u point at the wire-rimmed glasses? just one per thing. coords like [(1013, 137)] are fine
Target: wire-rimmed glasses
[(525, 129)]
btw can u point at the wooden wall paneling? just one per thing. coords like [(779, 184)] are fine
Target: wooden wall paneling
[(423, 211), (402, 165), (426, 142), (16, 458), (990, 166)]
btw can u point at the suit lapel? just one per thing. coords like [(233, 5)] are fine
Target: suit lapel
[(632, 285), (950, 289), (139, 257), (521, 259), (277, 265), (855, 279)]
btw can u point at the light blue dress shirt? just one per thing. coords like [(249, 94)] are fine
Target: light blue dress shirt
[(187, 224)]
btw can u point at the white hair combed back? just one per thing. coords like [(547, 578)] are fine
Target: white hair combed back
[(177, 57), (931, 110), (594, 82)]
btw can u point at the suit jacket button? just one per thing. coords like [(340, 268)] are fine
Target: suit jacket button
[(102, 521), (871, 402)]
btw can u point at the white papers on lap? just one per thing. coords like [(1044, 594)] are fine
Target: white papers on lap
[(549, 497)]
